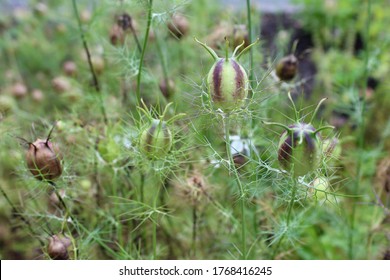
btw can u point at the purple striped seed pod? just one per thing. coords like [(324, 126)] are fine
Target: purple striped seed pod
[(156, 140), (300, 149), (44, 160), (227, 83)]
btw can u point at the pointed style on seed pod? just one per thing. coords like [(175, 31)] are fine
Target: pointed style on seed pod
[(44, 159), (227, 80), (300, 145), (178, 26), (287, 68), (156, 140), (58, 247)]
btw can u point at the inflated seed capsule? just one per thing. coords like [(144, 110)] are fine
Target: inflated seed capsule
[(156, 140), (287, 68), (227, 80), (300, 149), (178, 26), (58, 247), (44, 160), (228, 83)]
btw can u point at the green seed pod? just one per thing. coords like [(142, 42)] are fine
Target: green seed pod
[(227, 80), (287, 68), (300, 149), (156, 141), (44, 160), (227, 83)]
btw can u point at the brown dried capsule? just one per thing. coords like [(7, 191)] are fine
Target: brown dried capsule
[(287, 68), (44, 160), (178, 26), (19, 90), (117, 35), (70, 68), (37, 95), (167, 89), (58, 247), (61, 84)]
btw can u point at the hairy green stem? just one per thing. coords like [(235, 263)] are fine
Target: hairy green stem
[(141, 61), (226, 121), (86, 49), (289, 211)]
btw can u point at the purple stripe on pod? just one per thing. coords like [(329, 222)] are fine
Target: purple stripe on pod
[(217, 76), (240, 81), (150, 136)]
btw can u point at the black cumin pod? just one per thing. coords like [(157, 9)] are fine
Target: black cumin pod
[(228, 83)]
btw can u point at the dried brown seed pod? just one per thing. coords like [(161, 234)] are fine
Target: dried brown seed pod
[(178, 26), (167, 89), (69, 67), (117, 35), (19, 90), (58, 247), (37, 95), (194, 189), (287, 68), (61, 84), (44, 160)]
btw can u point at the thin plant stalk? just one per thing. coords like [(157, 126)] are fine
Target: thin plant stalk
[(288, 219), (161, 57), (138, 92), (226, 121), (361, 134), (65, 219), (251, 78), (155, 200), (94, 76)]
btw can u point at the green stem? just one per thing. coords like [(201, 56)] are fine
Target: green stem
[(155, 225), (360, 138), (226, 120), (289, 211), (252, 82), (86, 49), (143, 52), (65, 220)]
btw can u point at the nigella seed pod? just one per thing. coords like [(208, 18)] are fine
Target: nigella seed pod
[(227, 80), (44, 160), (156, 140), (300, 149), (178, 26), (58, 247), (287, 68), (228, 83)]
